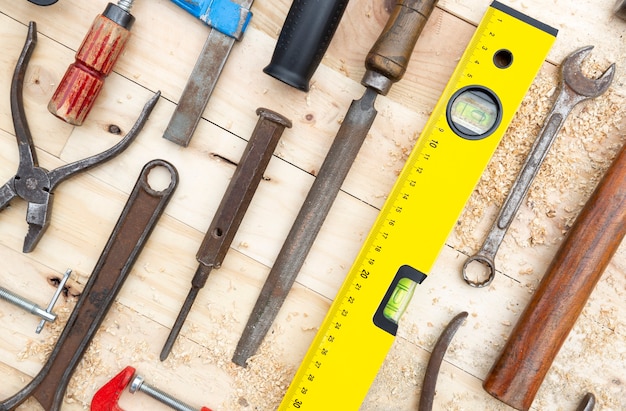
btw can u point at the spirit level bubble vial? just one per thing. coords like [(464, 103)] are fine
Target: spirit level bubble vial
[(467, 123)]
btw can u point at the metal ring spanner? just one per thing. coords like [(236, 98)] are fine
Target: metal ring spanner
[(139, 217), (574, 88)]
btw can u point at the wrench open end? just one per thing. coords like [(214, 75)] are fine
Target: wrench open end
[(574, 77)]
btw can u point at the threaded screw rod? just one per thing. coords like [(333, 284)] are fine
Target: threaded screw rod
[(27, 305), (125, 4), (138, 384)]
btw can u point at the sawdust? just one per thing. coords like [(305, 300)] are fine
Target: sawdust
[(41, 349), (259, 386), (575, 163)]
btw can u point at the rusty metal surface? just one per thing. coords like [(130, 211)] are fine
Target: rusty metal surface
[(434, 363), (307, 224), (395, 44), (231, 211), (200, 85), (139, 217), (588, 403)]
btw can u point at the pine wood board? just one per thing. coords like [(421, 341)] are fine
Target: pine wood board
[(165, 44)]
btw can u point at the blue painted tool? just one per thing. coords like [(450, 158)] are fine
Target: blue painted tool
[(225, 16), (228, 20)]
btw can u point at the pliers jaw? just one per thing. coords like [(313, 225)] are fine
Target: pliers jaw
[(38, 219), (37, 193), (34, 187), (33, 183)]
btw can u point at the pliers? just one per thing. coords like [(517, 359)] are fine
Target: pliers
[(33, 183)]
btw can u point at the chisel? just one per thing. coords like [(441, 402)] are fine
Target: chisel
[(561, 296), (232, 209), (385, 64), (228, 20)]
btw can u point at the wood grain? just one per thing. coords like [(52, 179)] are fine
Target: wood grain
[(164, 45)]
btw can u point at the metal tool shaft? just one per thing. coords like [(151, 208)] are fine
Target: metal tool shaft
[(232, 209), (140, 215), (307, 224), (427, 396), (588, 403), (203, 79), (26, 305), (386, 64), (54, 299), (138, 384)]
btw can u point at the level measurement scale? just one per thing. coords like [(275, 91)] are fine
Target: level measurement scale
[(469, 120)]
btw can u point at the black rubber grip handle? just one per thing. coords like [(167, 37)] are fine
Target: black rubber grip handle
[(308, 29), (43, 2)]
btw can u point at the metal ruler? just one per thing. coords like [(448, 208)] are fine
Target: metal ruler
[(469, 120)]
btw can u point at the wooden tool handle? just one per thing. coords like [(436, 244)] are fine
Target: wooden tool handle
[(101, 48), (390, 54), (571, 277)]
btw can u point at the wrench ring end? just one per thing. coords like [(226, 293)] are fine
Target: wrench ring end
[(152, 165), (485, 261)]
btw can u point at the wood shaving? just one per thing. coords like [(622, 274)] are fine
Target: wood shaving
[(575, 163)]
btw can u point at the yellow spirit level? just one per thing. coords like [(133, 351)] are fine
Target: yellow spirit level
[(469, 120)]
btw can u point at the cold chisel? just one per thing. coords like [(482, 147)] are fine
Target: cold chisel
[(385, 64)]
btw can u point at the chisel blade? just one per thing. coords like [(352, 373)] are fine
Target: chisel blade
[(199, 87)]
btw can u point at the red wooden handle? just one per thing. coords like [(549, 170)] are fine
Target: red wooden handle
[(83, 80)]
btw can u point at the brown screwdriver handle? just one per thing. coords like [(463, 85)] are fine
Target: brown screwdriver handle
[(388, 59), (572, 275), (102, 46)]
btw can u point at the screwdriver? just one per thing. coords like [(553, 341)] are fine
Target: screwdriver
[(385, 64), (102, 46)]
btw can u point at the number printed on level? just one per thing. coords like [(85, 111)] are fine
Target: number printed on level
[(467, 123)]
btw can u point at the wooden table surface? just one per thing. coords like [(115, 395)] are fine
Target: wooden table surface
[(164, 46)]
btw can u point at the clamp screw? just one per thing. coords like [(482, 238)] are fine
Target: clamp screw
[(138, 385), (125, 4), (23, 303)]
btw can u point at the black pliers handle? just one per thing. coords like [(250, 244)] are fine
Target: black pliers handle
[(35, 184)]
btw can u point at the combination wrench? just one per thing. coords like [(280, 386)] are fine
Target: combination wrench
[(574, 88)]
